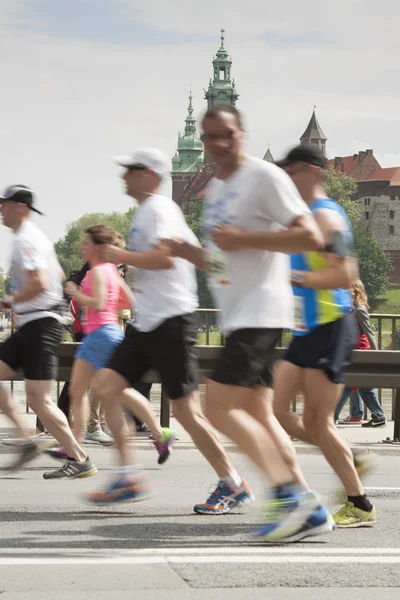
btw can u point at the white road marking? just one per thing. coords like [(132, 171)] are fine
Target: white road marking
[(237, 554), (386, 489), (146, 560)]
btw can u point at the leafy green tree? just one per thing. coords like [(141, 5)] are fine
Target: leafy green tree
[(194, 219), (375, 265), (68, 247), (2, 282)]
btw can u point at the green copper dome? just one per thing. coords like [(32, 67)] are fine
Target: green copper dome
[(190, 149)]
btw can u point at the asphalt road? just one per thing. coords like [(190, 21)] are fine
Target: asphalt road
[(51, 541)]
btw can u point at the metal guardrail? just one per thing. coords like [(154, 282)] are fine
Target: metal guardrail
[(387, 339), (376, 368)]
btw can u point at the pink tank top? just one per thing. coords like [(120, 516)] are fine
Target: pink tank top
[(94, 320)]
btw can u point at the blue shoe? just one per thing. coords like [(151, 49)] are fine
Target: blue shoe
[(134, 490), (286, 513), (224, 498), (320, 522)]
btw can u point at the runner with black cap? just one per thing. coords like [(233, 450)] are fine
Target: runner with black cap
[(325, 334), (36, 301)]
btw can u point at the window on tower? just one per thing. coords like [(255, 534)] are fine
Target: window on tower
[(222, 73)]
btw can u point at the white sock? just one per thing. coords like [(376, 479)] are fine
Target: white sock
[(127, 471), (233, 480)]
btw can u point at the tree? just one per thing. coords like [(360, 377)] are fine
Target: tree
[(2, 283), (375, 265), (68, 247), (195, 220)]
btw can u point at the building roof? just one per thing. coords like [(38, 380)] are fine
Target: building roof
[(196, 190), (346, 165), (313, 130), (268, 156), (391, 174)]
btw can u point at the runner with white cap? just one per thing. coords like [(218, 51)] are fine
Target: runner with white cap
[(164, 332)]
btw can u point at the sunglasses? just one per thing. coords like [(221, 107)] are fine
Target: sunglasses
[(136, 168)]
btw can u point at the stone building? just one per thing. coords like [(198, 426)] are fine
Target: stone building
[(359, 166), (379, 196)]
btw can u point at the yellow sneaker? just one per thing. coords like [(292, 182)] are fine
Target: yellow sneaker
[(350, 516)]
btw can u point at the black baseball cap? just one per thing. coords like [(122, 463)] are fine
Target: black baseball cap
[(308, 153), (20, 194)]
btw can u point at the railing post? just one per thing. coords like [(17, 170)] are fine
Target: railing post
[(396, 428), (207, 329), (165, 408)]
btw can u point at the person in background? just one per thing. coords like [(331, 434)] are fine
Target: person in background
[(97, 430), (366, 341)]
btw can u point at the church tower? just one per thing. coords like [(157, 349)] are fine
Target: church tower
[(221, 89), (314, 134), (188, 158)]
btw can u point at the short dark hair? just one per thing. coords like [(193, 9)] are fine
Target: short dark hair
[(103, 234), (216, 111)]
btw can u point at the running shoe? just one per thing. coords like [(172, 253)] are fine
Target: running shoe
[(164, 446), (99, 436), (375, 422), (351, 421), (349, 517), (286, 517), (57, 453), (72, 469), (319, 523), (28, 451), (224, 498), (134, 489)]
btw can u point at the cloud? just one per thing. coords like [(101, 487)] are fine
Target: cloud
[(72, 99)]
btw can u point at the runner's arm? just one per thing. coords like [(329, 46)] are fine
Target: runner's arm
[(302, 235), (193, 253), (97, 300), (341, 271), (127, 298), (36, 283), (154, 260)]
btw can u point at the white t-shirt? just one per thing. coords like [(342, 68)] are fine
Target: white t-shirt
[(252, 287), (31, 251), (166, 293)]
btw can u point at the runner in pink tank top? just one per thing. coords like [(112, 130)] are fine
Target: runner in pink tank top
[(108, 315), (102, 294)]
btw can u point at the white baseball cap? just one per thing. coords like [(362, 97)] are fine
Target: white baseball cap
[(152, 158)]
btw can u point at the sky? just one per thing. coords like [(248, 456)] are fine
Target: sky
[(83, 80)]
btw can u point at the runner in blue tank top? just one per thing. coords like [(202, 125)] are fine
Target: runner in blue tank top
[(324, 335)]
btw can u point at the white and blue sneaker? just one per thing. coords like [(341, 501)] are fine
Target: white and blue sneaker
[(291, 515), (320, 522)]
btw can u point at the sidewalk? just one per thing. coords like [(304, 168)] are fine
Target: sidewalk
[(354, 435)]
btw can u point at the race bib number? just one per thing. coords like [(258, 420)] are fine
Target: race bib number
[(217, 266), (299, 314)]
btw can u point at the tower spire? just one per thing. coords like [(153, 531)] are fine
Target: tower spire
[(188, 158), (314, 134), (221, 89)]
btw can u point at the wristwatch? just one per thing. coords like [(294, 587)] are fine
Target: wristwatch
[(298, 278)]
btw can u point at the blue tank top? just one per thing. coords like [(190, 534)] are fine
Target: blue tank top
[(318, 307)]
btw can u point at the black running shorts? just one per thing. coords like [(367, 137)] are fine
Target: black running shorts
[(247, 358), (34, 349), (328, 348), (169, 349)]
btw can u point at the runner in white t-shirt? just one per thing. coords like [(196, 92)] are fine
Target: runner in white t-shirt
[(253, 216), (164, 332), (36, 279)]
